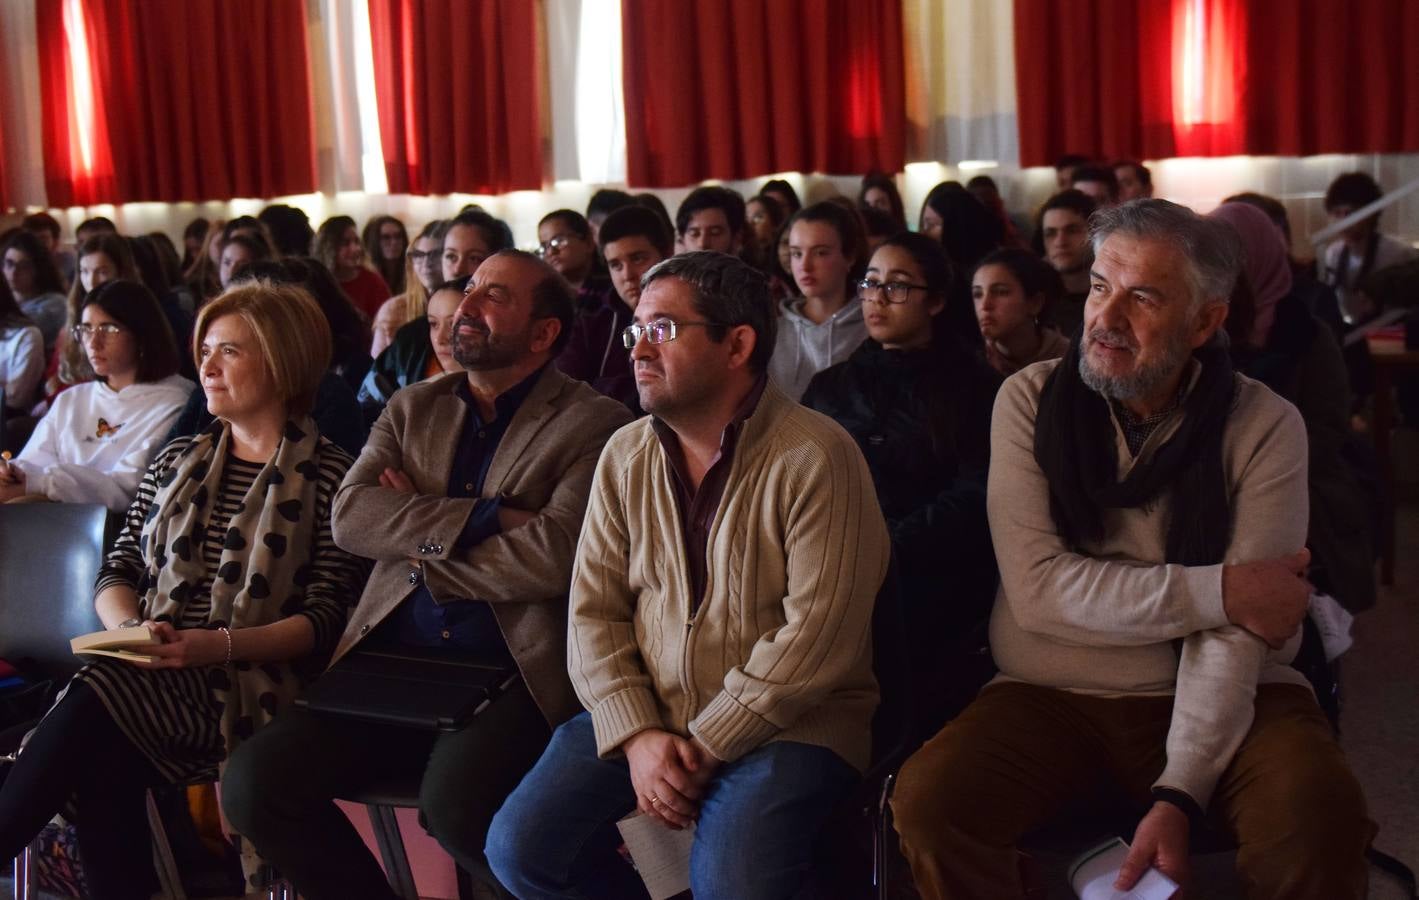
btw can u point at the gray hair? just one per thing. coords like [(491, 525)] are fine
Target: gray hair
[(728, 292), (1211, 247)]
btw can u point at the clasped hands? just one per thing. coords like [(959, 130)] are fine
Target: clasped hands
[(669, 774)]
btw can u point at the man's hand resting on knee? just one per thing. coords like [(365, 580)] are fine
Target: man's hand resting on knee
[(1161, 842), (669, 774), (1268, 598)]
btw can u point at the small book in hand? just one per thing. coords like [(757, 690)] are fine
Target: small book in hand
[(120, 643)]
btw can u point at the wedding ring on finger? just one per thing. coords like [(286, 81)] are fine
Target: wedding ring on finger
[(653, 799)]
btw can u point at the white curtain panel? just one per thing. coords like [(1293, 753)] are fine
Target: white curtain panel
[(342, 80), (563, 19), (588, 104), (961, 81)]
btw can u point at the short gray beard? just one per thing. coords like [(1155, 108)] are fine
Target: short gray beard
[(1138, 384)]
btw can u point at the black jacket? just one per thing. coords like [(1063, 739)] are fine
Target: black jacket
[(401, 364), (1303, 363), (595, 354), (922, 421)]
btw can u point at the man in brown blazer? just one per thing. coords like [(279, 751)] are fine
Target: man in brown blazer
[(469, 496)]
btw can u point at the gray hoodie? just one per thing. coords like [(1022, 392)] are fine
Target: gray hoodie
[(805, 348)]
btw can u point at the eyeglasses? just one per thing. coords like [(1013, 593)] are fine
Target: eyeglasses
[(419, 256), (871, 290), (85, 332), (659, 332), (557, 243)]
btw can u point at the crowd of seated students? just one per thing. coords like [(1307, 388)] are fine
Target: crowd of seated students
[(441, 412)]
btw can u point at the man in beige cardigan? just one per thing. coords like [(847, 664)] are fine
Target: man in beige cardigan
[(469, 496), (1148, 508), (720, 625)]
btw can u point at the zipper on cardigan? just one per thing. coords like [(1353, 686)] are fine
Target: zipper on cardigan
[(687, 683)]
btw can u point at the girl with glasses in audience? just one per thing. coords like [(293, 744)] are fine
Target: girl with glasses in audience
[(423, 271), (338, 247), (102, 258), (94, 443), (1011, 290), (226, 555), (918, 405)]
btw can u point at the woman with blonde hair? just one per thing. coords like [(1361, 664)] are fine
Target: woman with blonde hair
[(227, 558), (423, 272)]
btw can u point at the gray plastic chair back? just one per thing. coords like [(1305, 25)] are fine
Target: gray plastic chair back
[(49, 556)]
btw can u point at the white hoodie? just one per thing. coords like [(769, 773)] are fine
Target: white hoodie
[(804, 348), (95, 443)]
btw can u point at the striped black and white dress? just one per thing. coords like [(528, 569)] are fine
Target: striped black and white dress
[(170, 714)]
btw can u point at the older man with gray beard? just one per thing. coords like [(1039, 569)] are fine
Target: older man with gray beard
[(1148, 507)]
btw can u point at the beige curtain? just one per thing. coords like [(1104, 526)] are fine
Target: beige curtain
[(960, 81)]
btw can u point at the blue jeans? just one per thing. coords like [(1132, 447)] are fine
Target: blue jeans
[(556, 837)]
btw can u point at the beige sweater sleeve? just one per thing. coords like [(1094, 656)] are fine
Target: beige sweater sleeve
[(837, 549), (603, 655), (1219, 669), (1067, 596)]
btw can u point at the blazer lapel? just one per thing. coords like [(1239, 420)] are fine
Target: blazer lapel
[(534, 413), (436, 436)]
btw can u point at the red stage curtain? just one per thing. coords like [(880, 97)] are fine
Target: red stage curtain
[(1333, 76), (459, 90), (198, 101), (1160, 78), (738, 88), (77, 172)]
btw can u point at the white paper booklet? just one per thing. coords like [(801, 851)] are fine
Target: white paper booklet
[(661, 856), (1092, 876)]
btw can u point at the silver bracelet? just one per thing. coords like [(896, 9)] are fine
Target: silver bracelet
[(228, 634), (134, 622)]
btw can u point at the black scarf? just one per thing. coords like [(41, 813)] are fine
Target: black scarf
[(1076, 450)]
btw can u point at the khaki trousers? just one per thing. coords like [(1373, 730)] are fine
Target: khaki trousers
[(1018, 754)]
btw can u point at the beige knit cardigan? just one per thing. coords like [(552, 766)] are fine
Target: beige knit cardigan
[(780, 648)]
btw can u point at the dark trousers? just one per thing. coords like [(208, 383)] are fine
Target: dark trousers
[(1020, 753), (279, 789), (78, 751)]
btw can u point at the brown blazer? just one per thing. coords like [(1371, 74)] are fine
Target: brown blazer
[(523, 573)]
